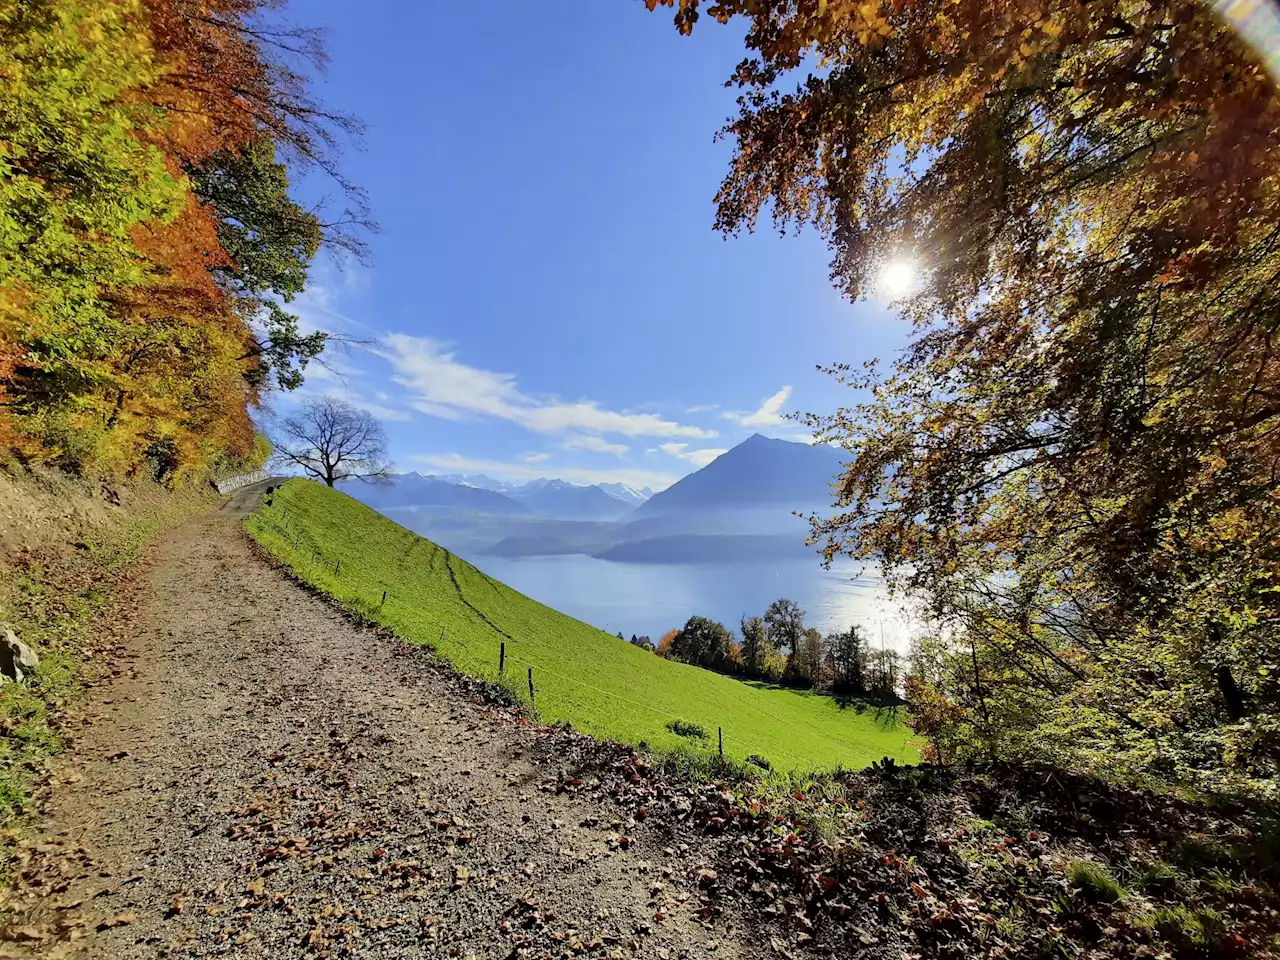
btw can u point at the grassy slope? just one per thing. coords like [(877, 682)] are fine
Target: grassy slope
[(602, 685)]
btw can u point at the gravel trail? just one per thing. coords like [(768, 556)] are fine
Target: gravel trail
[(264, 778)]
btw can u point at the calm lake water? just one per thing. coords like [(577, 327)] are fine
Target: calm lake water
[(650, 599)]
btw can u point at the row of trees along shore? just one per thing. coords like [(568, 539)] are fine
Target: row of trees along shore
[(779, 647), (149, 246)]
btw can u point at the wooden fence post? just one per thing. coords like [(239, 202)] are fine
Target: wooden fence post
[(720, 732), (337, 566), (502, 657), (384, 599), (531, 699)]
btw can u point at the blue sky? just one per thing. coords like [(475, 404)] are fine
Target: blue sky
[(548, 294)]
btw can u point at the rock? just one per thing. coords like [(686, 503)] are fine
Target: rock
[(16, 658)]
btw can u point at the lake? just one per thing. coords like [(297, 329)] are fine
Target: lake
[(650, 599)]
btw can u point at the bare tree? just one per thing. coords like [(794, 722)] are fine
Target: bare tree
[(332, 440)]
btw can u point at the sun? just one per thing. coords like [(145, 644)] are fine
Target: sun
[(898, 278)]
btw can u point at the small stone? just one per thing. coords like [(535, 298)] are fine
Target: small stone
[(16, 658)]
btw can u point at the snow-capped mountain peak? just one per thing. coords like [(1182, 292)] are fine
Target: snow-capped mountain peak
[(625, 493)]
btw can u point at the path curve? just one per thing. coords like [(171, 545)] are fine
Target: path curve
[(266, 779)]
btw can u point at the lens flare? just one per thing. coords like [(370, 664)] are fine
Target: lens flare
[(898, 278)]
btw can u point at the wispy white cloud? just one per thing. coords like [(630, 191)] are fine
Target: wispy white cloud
[(377, 409), (536, 457), (442, 386), (769, 414), (595, 445), (681, 451), (503, 470), (702, 408), (317, 307)]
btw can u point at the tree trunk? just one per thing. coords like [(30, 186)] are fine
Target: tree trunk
[(1231, 694)]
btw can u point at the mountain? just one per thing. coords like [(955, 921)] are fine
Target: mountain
[(560, 499), (626, 494), (415, 490), (707, 548), (565, 501), (758, 473), (476, 480), (739, 507)]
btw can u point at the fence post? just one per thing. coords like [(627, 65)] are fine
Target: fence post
[(502, 657), (336, 567), (531, 699), (384, 599), (441, 640), (720, 732)]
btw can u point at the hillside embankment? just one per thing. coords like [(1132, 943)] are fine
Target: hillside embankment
[(68, 558)]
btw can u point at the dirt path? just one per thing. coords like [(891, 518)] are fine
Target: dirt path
[(268, 780)]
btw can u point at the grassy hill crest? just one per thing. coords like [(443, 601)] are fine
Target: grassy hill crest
[(582, 675)]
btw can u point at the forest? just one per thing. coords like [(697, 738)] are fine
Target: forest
[(149, 245)]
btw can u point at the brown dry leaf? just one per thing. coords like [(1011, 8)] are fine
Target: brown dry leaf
[(119, 920)]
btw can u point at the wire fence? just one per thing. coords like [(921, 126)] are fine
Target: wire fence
[(314, 556)]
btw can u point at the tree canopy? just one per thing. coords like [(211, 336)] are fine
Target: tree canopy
[(703, 642), (148, 241), (1074, 461)]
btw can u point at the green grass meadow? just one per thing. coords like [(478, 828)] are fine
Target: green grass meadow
[(600, 684)]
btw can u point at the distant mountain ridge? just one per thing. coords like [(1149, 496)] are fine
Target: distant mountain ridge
[(757, 473), (416, 490), (547, 498), (738, 507), (631, 496)]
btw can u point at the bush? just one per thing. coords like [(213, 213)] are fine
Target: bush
[(692, 731), (1094, 881), (759, 761)]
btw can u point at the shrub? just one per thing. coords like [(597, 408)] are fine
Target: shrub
[(692, 731), (759, 761)]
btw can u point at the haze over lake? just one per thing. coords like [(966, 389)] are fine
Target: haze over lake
[(722, 542), (650, 599)]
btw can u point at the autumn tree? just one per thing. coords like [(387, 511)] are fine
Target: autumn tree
[(149, 245), (703, 642), (331, 440), (848, 654), (1073, 463), (784, 621), (804, 666), (756, 647)]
